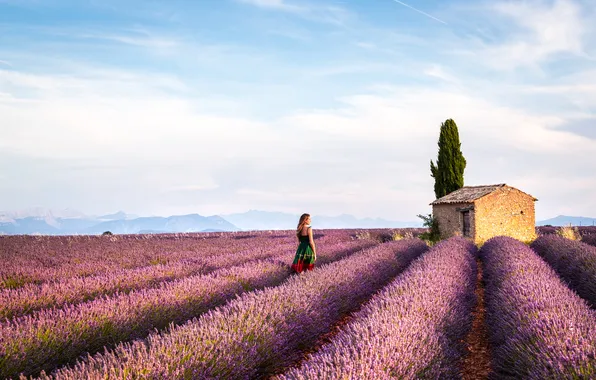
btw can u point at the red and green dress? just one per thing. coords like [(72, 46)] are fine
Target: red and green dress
[(305, 257)]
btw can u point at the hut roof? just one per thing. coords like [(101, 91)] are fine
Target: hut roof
[(469, 194)]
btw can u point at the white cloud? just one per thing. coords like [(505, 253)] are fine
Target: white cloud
[(157, 143), (274, 4), (544, 29), (83, 117), (439, 72), (137, 40), (319, 12), (399, 116), (363, 157)]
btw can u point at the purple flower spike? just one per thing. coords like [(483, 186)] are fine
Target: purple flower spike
[(258, 333), (412, 329), (574, 261), (538, 327)]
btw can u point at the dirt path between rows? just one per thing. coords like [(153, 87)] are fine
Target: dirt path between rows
[(476, 362), (322, 340)]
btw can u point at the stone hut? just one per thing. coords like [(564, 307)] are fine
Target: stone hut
[(481, 212)]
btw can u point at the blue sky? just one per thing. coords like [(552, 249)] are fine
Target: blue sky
[(329, 107)]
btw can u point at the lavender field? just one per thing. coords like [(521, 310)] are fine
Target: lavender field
[(226, 306)]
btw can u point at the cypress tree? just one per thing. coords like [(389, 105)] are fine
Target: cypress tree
[(449, 169)]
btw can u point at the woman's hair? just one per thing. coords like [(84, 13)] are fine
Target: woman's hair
[(301, 223)]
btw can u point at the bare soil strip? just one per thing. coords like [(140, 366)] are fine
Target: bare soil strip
[(321, 340), (476, 362)]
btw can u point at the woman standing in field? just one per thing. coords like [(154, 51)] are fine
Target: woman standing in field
[(306, 254)]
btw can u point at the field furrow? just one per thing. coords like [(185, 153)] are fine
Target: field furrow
[(32, 297), (538, 327), (53, 337), (412, 329), (574, 261), (40, 259), (258, 332)]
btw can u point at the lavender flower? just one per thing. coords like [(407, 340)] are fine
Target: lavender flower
[(38, 259), (31, 297), (590, 238), (258, 332), (538, 327), (412, 329), (52, 337), (573, 260)]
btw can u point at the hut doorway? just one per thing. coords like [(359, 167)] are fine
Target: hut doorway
[(466, 223)]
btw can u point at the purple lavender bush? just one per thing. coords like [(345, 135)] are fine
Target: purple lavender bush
[(412, 329), (256, 333), (56, 258), (590, 238), (538, 327), (73, 290), (573, 260), (586, 230), (546, 230), (53, 337)]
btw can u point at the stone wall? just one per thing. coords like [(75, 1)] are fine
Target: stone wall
[(451, 220), (506, 211)]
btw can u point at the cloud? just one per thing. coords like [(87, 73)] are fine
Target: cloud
[(542, 31), (281, 5), (144, 41), (342, 123), (369, 133), (439, 72), (365, 157), (322, 12), (373, 118)]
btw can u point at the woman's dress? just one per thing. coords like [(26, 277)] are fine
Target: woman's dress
[(305, 257)]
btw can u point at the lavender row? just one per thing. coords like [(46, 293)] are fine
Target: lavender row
[(538, 327), (52, 337), (32, 259), (32, 297), (258, 332), (573, 260), (38, 259), (412, 329), (590, 239), (583, 230)]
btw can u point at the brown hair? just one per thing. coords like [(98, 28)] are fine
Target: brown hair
[(301, 223)]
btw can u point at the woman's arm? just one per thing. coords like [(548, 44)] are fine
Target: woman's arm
[(311, 240)]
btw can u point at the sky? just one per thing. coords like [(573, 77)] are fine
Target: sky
[(328, 107)]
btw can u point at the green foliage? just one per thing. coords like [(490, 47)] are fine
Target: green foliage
[(448, 172), (430, 222), (107, 233), (12, 282)]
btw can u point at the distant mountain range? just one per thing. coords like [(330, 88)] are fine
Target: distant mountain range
[(563, 220), (72, 222), (268, 220), (49, 222)]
